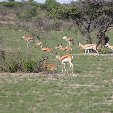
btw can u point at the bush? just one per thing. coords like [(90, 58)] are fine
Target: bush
[(57, 24), (29, 66), (14, 67), (105, 50), (11, 4), (27, 12), (20, 65)]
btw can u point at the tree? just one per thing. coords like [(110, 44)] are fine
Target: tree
[(31, 0), (27, 11), (90, 15), (49, 4)]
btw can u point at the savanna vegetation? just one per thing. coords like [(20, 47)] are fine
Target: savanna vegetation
[(29, 83), (49, 22)]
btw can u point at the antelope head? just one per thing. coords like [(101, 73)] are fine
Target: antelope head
[(65, 36)]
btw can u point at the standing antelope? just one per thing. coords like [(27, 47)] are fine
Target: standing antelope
[(59, 46), (38, 43), (88, 47), (69, 39), (46, 49), (28, 38), (66, 59)]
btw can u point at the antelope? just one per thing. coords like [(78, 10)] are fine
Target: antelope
[(46, 49), (66, 59), (38, 43), (68, 39), (88, 47), (28, 38), (109, 46), (59, 46), (48, 66)]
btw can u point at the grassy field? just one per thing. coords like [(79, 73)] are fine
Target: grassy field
[(12, 42), (15, 46), (88, 90)]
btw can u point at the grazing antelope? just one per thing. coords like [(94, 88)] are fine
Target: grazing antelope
[(69, 39), (46, 49), (66, 59), (59, 46), (88, 47), (109, 46)]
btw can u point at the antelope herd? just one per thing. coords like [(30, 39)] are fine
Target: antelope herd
[(67, 58)]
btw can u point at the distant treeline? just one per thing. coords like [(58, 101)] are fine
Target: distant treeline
[(86, 15)]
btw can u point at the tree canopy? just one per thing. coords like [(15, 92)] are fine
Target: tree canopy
[(90, 15)]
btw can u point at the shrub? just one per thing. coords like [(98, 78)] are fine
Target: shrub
[(57, 24), (105, 50), (26, 12), (11, 4), (14, 67), (29, 66)]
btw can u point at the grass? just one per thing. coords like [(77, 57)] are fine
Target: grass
[(15, 46), (88, 90), (38, 93)]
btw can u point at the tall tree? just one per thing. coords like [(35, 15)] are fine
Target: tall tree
[(90, 15)]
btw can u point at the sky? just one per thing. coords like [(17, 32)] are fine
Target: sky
[(60, 1), (42, 1)]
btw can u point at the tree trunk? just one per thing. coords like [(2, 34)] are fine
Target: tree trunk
[(87, 36), (101, 38)]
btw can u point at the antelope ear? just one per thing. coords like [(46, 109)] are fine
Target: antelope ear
[(56, 53), (78, 43)]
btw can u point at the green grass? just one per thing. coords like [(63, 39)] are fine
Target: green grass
[(88, 90), (15, 46), (38, 93)]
